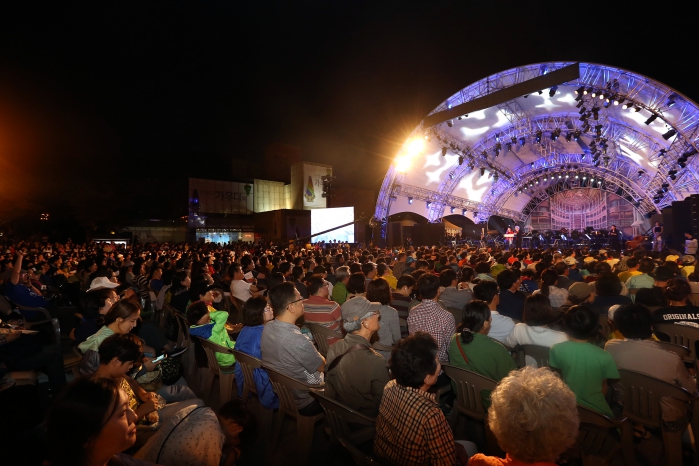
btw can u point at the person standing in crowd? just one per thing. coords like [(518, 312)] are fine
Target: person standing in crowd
[(690, 244), (657, 237)]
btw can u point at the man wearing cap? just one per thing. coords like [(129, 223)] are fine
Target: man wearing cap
[(578, 293), (573, 271), (360, 374)]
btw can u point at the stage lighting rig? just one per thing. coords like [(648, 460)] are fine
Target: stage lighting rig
[(569, 136), (637, 108), (496, 177), (463, 212), (671, 100), (671, 132), (452, 210), (580, 90), (461, 160), (497, 149), (538, 136), (555, 133), (601, 96), (522, 141), (450, 123), (410, 200), (595, 113), (593, 93), (552, 91), (628, 105), (618, 99), (651, 118), (482, 171), (641, 173), (428, 204), (580, 104), (662, 153)]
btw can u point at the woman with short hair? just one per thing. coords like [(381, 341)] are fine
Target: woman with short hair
[(534, 417), (379, 291)]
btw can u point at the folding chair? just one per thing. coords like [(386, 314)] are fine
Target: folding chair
[(340, 417), (247, 365), (226, 375), (284, 386), (184, 340), (540, 354), (321, 335), (681, 335), (682, 351), (642, 395), (469, 386), (596, 445), (360, 458)]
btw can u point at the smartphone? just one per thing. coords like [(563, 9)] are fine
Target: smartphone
[(159, 358)]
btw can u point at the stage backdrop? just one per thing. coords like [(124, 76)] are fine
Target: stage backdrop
[(580, 208)]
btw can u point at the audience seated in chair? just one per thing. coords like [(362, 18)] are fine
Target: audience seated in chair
[(608, 289), (389, 331), (534, 417), (535, 330), (208, 323), (285, 349), (679, 310), (501, 326), (256, 313), (638, 352), (411, 428), (451, 295), (471, 348), (584, 367), (318, 309), (358, 378)]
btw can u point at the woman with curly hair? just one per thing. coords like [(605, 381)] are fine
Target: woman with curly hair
[(534, 417)]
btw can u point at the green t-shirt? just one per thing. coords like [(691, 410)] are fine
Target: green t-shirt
[(339, 293), (485, 356), (585, 367)]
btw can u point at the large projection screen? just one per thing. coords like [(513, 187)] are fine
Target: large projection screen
[(325, 219)]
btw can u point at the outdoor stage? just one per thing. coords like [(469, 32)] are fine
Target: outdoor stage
[(550, 147)]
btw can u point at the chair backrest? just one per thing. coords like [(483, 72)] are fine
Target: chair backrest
[(340, 416), (5, 306), (682, 351), (183, 335), (539, 353), (361, 459), (457, 313), (211, 349), (595, 431), (605, 326), (680, 335), (642, 394), (321, 335), (284, 387), (468, 390), (247, 364)]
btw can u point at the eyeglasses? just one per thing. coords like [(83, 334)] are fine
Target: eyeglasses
[(294, 302)]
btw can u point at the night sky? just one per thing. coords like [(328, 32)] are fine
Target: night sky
[(106, 109)]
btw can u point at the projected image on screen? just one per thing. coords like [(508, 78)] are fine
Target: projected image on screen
[(325, 219)]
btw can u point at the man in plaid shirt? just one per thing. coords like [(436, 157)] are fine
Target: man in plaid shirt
[(411, 430), (430, 317)]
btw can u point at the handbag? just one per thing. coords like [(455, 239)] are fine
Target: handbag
[(171, 370)]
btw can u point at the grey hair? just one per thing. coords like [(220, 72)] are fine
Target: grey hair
[(355, 325), (341, 273)]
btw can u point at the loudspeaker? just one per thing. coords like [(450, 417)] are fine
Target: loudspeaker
[(681, 222), (395, 237)]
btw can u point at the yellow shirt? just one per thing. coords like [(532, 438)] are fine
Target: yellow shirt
[(623, 276), (392, 281)]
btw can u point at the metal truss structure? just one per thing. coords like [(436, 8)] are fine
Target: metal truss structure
[(609, 146)]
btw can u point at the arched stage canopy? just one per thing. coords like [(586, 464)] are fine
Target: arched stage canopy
[(504, 144)]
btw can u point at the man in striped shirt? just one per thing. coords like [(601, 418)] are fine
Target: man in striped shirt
[(318, 309)]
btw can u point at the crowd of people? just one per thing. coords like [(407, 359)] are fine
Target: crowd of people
[(398, 316)]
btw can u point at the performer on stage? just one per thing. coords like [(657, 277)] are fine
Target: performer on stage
[(657, 237), (614, 237), (518, 237), (509, 240)]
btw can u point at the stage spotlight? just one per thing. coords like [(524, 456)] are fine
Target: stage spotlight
[(498, 146), (682, 164), (597, 163), (475, 213), (576, 135), (520, 190), (637, 109), (428, 204), (669, 134), (461, 159), (560, 176), (495, 178), (537, 181), (689, 153), (450, 123), (651, 118), (452, 210), (585, 126), (522, 141), (628, 104), (579, 99), (671, 100), (580, 104), (577, 176), (509, 146), (444, 151), (641, 173), (594, 94), (552, 91), (583, 117), (662, 153), (595, 113), (673, 177), (482, 171), (451, 175), (567, 175), (580, 90), (458, 118), (618, 100), (513, 141), (584, 177), (569, 136), (497, 137), (463, 212), (606, 104), (538, 136), (410, 200), (555, 133)]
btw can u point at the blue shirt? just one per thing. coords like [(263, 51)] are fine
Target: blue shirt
[(23, 296), (248, 342)]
